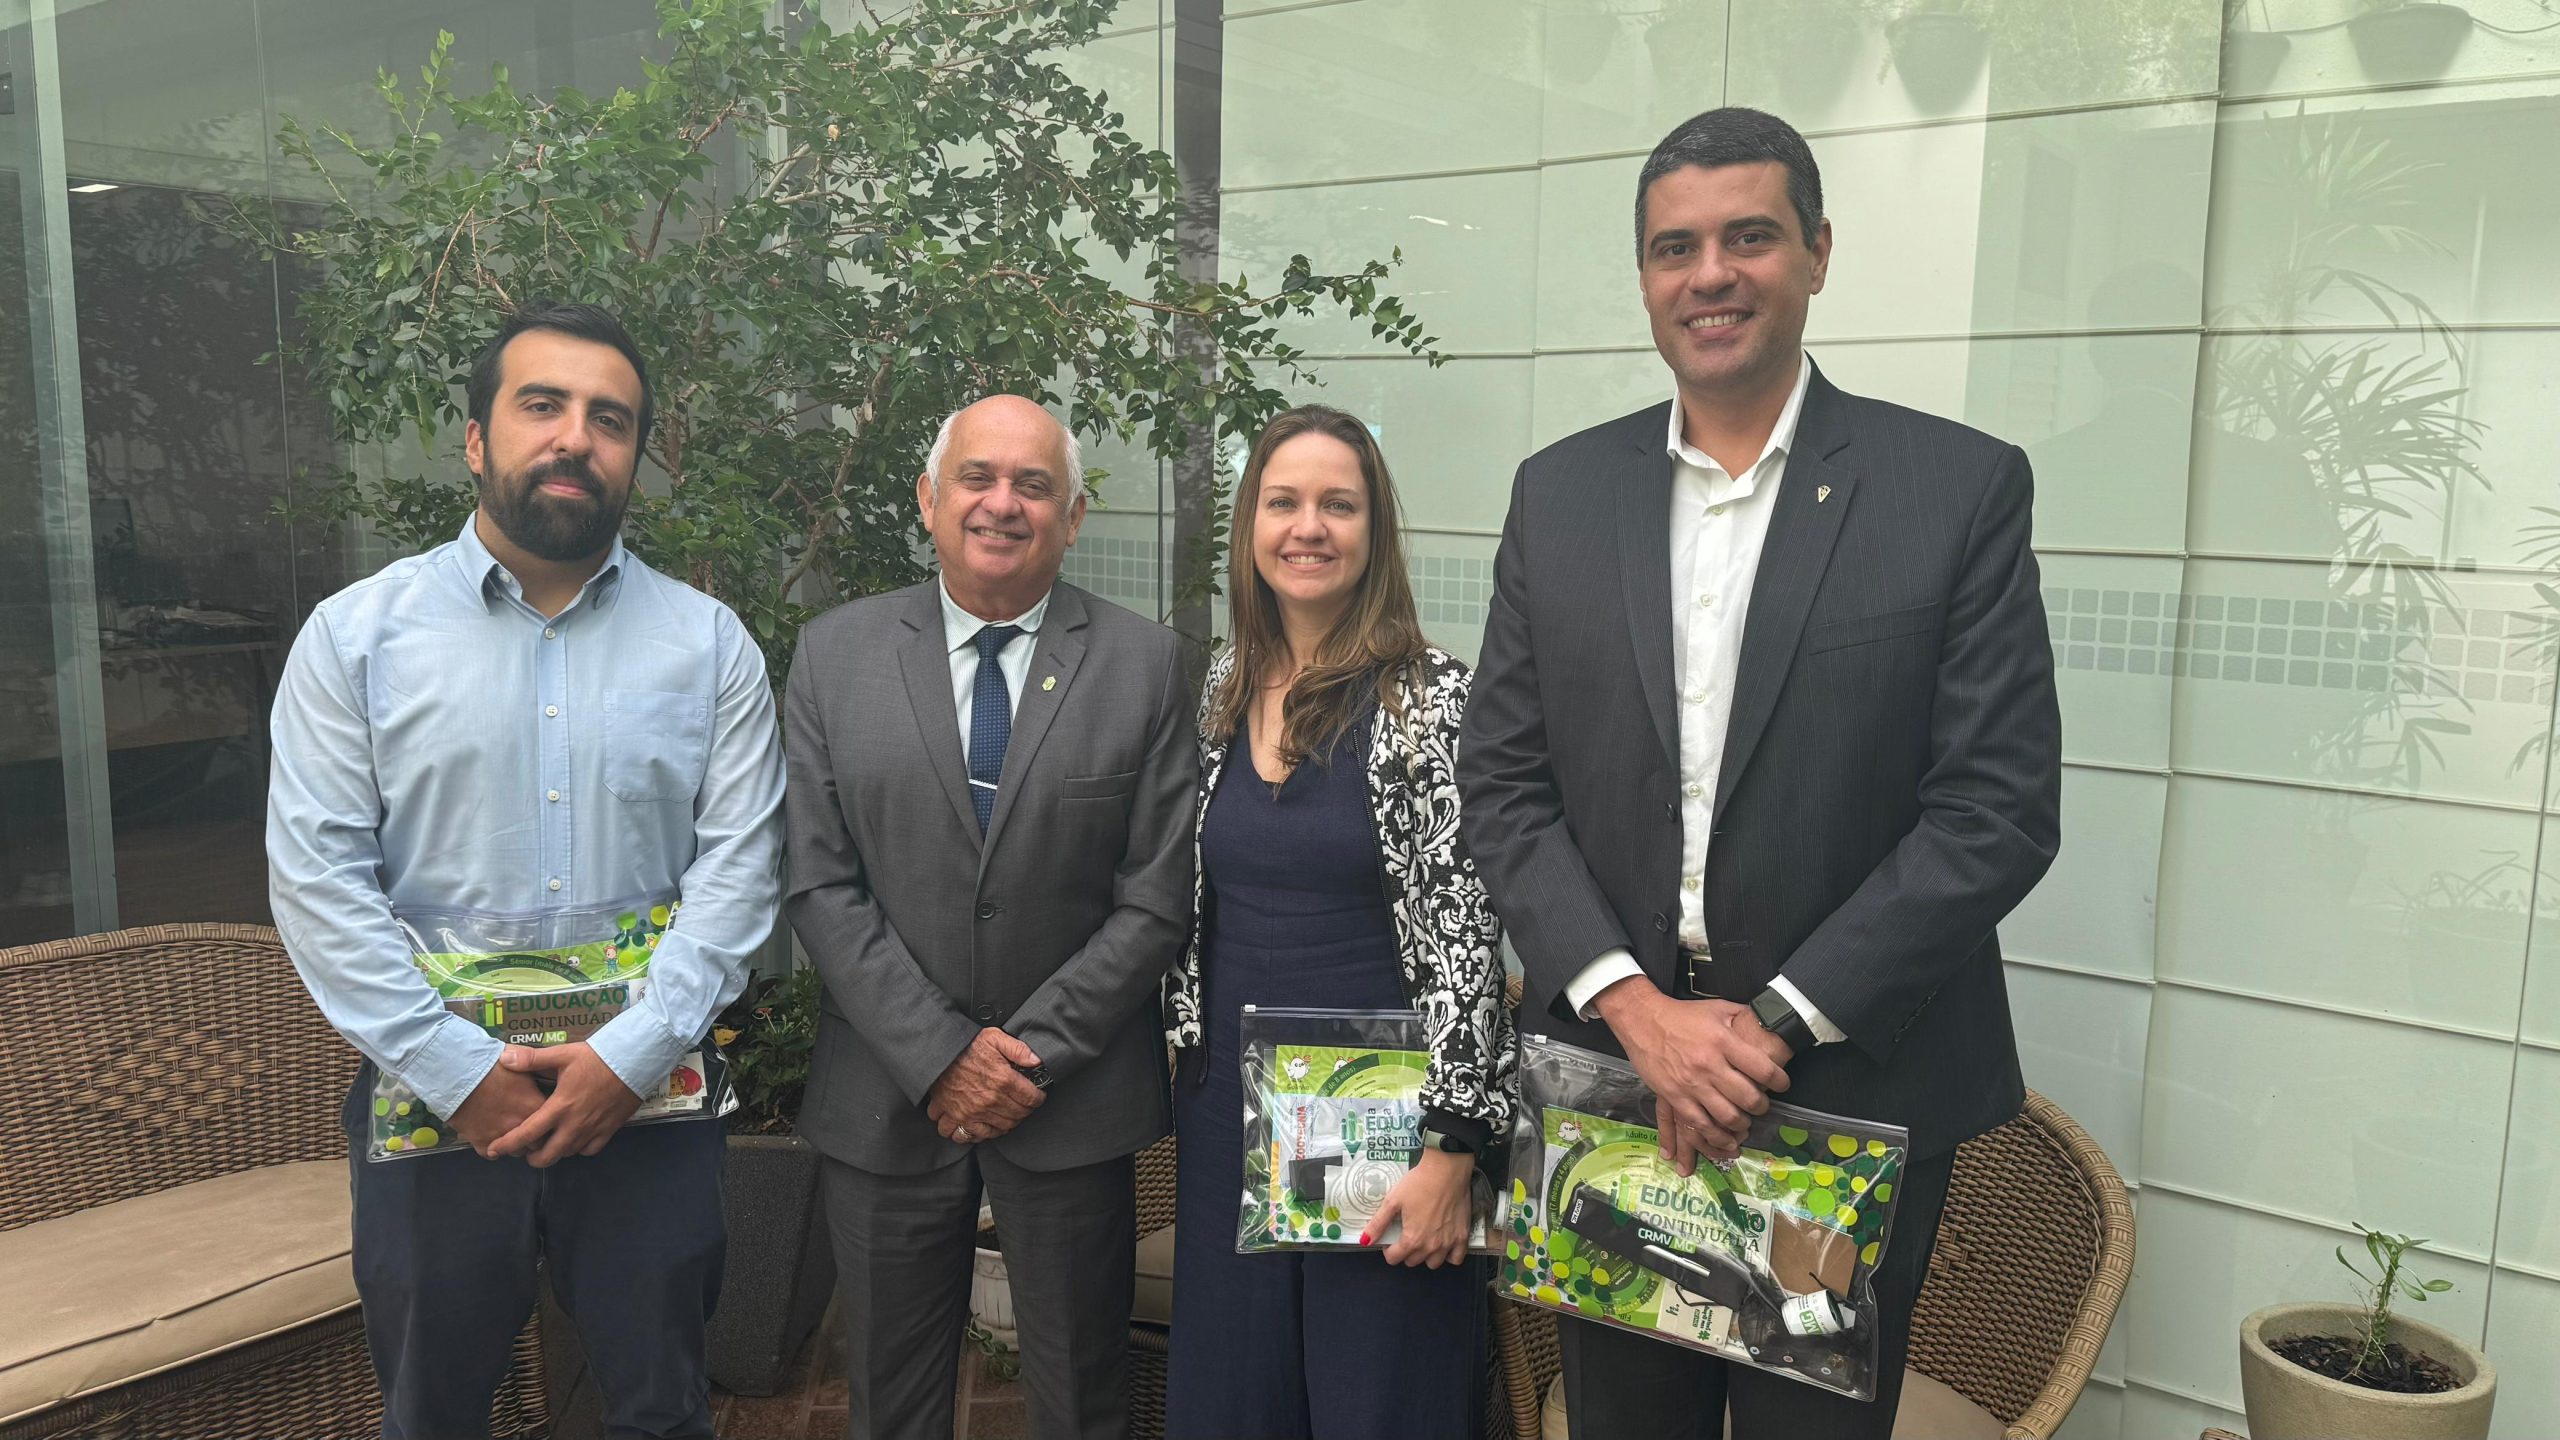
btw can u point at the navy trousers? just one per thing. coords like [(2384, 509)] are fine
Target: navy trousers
[(445, 1250)]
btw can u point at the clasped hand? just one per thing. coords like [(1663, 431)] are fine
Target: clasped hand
[(508, 1113), (1436, 1202), (983, 1094), (1710, 1064)]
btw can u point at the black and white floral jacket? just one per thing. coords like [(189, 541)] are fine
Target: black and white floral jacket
[(1447, 938)]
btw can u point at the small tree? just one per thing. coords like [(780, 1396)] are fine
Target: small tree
[(917, 225)]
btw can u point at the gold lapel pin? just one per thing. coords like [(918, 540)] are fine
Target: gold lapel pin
[(1821, 493), (1049, 684)]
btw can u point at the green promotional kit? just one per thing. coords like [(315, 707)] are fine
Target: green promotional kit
[(1766, 1259), (1332, 1120), (536, 978)]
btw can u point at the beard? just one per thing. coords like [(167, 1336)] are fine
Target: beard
[(555, 527)]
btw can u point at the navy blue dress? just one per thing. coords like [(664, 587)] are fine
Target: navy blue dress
[(1296, 1346)]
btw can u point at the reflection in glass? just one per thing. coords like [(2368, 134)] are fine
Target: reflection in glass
[(35, 844)]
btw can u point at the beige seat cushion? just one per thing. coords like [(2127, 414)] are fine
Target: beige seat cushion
[(1930, 1411), (1154, 1305), (123, 1291)]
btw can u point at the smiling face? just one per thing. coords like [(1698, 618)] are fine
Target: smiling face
[(1004, 510), (1311, 525), (1728, 275), (555, 461)]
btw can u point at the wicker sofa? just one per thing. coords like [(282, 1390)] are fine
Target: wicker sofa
[(173, 1199)]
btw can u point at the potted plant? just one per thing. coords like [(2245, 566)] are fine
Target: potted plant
[(2251, 54), (1939, 48), (781, 1265), (2408, 39), (2321, 1371)]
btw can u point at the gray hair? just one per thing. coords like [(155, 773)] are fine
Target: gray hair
[(1736, 135), (941, 451)]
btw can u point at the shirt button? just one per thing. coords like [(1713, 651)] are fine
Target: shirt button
[(1697, 697), (1697, 790), (1704, 601), (553, 796), (550, 709), (1715, 509), (550, 634), (1690, 884), (555, 884)]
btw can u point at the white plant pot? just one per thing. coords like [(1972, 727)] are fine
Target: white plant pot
[(991, 1293), (2287, 1402)]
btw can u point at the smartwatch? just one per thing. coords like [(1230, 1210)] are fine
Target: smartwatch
[(1780, 1019)]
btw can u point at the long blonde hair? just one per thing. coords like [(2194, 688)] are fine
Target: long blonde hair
[(1360, 661)]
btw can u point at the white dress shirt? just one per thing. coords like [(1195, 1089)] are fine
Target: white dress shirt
[(960, 632), (1718, 524)]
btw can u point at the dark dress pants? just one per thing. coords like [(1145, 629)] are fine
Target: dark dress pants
[(1618, 1383), (445, 1250), (904, 1246)]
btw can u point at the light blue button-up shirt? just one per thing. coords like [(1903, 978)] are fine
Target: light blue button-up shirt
[(438, 744)]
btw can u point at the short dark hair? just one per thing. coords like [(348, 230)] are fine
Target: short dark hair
[(1736, 135), (579, 322)]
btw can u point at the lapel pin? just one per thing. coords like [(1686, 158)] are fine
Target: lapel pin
[(1821, 493), (1049, 684)]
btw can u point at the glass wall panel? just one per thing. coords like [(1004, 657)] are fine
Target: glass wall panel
[(35, 843)]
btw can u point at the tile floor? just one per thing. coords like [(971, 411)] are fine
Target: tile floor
[(810, 1404)]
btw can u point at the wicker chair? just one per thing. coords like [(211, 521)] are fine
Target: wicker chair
[(1148, 1343), (147, 1059), (2033, 1255)]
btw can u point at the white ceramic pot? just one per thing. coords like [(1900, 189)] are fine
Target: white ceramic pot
[(991, 1293)]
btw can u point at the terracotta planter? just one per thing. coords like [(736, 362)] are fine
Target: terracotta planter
[(1939, 56), (2409, 42), (781, 1265), (2287, 1402)]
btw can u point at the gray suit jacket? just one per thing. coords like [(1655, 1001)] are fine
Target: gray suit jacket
[(1892, 769), (1058, 926)]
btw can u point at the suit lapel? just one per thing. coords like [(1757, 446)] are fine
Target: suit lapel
[(1813, 499), (1644, 567), (926, 662), (1061, 651)]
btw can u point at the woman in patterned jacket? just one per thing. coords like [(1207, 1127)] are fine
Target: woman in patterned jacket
[(1331, 876)]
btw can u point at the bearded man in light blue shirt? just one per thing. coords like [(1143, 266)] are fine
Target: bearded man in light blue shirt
[(525, 722)]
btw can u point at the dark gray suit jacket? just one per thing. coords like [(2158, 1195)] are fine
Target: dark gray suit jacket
[(1891, 778), (1058, 926)]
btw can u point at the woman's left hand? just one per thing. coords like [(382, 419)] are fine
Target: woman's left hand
[(1433, 1201)]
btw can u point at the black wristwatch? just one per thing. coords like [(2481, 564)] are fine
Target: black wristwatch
[(1780, 1019), (1445, 1142)]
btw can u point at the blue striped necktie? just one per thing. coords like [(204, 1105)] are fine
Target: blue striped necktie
[(990, 722)]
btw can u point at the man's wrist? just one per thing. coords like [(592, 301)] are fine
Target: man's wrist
[(1625, 999), (1777, 1014)]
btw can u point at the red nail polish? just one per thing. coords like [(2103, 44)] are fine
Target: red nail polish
[(1364, 1237)]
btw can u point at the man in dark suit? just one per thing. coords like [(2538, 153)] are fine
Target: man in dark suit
[(1763, 745), (990, 809)]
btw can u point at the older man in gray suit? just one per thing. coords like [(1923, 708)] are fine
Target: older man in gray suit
[(991, 788)]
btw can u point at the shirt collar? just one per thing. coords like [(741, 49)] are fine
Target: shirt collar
[(959, 627), (488, 580), (1782, 436)]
